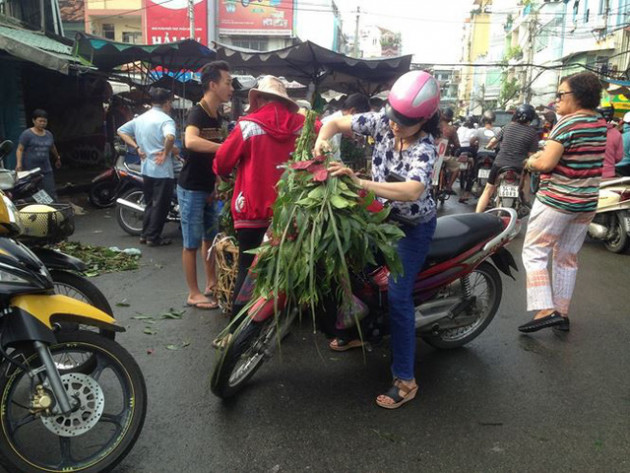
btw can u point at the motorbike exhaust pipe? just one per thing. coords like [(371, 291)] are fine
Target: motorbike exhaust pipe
[(597, 231), (130, 205)]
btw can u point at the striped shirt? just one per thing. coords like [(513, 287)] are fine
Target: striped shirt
[(573, 185), (517, 141)]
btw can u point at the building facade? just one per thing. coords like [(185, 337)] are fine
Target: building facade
[(116, 20)]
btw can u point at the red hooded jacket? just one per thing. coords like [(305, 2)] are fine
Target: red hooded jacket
[(260, 143)]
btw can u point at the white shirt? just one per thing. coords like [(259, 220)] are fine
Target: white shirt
[(465, 135)]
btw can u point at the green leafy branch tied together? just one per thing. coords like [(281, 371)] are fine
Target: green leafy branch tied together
[(323, 229)]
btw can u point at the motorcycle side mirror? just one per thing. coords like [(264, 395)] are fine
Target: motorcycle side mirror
[(5, 148)]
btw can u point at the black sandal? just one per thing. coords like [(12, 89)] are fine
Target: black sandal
[(343, 345), (394, 395)]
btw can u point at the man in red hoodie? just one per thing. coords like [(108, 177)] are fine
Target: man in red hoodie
[(259, 143)]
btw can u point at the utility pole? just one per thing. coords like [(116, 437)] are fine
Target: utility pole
[(355, 53), (533, 24), (191, 18)]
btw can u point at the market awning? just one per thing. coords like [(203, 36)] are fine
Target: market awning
[(616, 87), (37, 48), (107, 55), (308, 63)]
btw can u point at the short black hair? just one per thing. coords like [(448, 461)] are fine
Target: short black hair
[(586, 88), (39, 113), (159, 96), (360, 103), (211, 72)]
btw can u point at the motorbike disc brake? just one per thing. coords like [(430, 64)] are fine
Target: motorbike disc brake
[(91, 404)]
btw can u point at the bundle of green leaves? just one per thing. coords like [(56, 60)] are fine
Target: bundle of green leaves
[(323, 228)]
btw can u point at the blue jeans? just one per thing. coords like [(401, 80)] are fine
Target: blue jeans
[(199, 217), (412, 250)]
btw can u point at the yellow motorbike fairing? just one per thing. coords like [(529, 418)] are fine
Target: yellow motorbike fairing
[(58, 308)]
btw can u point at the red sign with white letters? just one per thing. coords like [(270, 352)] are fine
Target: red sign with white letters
[(167, 22)]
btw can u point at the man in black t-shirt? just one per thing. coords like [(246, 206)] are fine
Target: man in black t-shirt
[(205, 130)]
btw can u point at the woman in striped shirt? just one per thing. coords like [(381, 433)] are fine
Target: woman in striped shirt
[(571, 168)]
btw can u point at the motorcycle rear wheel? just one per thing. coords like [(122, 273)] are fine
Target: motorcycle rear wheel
[(486, 286), (103, 194), (619, 242), (85, 441), (128, 219)]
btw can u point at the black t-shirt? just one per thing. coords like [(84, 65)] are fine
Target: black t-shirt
[(197, 175)]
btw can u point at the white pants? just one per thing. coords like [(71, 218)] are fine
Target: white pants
[(563, 233)]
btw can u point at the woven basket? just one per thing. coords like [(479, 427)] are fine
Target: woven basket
[(225, 253)]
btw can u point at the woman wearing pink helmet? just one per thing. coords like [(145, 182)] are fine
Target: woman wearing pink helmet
[(402, 163)]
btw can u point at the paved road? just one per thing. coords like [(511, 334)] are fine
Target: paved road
[(505, 403)]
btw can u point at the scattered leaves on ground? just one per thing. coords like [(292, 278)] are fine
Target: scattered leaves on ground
[(178, 346), (99, 259), (173, 314)]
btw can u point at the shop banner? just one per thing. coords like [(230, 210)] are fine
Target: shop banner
[(256, 17), (167, 22)]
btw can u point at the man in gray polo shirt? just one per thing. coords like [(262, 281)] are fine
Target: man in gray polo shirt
[(152, 135)]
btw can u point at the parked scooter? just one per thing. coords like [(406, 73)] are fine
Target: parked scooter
[(71, 400), (612, 220), (23, 186), (130, 207), (456, 294), (114, 182)]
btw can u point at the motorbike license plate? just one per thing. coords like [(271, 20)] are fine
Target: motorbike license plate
[(627, 222), (483, 174), (42, 197), (508, 191)]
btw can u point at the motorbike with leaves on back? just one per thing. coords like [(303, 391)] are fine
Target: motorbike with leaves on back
[(456, 294), (70, 400)]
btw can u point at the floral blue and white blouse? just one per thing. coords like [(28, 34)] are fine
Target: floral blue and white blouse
[(414, 163)]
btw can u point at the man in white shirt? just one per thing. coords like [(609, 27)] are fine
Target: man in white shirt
[(355, 103), (152, 135)]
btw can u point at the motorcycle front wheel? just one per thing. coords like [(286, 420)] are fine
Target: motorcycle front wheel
[(248, 350), (79, 287), (111, 403), (242, 358), (618, 243), (486, 287), (131, 220)]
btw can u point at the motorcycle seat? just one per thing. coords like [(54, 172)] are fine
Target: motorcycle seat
[(455, 234)]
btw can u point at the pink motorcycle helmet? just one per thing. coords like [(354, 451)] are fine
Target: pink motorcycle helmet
[(415, 96)]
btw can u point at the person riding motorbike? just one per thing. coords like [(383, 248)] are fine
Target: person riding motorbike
[(518, 141), (404, 151), (449, 132), (469, 141), (614, 142)]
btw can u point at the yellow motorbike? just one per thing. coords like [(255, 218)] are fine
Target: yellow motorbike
[(70, 400)]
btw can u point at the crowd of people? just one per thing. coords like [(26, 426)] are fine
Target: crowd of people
[(580, 148)]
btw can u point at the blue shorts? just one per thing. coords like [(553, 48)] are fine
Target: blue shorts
[(199, 218)]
